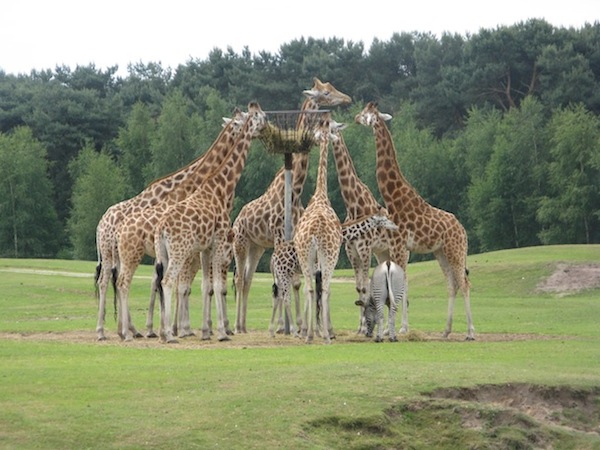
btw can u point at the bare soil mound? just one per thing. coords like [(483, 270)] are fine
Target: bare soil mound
[(576, 409), (505, 416), (571, 278)]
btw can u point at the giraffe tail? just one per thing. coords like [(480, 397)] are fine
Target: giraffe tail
[(160, 272), (319, 292), (97, 279), (115, 274)]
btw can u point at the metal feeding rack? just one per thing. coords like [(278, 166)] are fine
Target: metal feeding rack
[(286, 133)]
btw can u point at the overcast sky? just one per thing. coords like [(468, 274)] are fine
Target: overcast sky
[(40, 34)]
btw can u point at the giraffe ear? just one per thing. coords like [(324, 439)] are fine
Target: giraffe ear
[(336, 126), (385, 116), (226, 121)]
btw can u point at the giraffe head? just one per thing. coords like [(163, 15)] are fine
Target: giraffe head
[(327, 129), (257, 118), (324, 94), (370, 115), (236, 119)]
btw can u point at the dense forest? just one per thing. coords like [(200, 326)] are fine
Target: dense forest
[(501, 127)]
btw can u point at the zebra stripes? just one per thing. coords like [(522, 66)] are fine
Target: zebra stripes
[(387, 287)]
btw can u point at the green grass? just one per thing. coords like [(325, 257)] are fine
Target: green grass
[(351, 394)]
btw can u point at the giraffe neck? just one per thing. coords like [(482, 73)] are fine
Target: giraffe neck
[(396, 191), (321, 185), (225, 177), (182, 183), (357, 197), (215, 156), (300, 160)]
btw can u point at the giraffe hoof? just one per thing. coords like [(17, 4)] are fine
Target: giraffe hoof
[(470, 338), (138, 335), (224, 338), (101, 338), (172, 341), (152, 335), (187, 334)]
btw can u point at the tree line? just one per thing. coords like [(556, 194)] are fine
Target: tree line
[(500, 127)]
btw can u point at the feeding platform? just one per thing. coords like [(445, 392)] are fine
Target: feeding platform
[(290, 131)]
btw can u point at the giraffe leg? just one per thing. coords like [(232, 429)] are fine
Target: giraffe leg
[(402, 260), (288, 308), (275, 301), (360, 261), (327, 333), (296, 285), (167, 285), (206, 295), (150, 315), (166, 330), (123, 284), (186, 279), (104, 276), (220, 289), (248, 270), (404, 324), (308, 322), (452, 288)]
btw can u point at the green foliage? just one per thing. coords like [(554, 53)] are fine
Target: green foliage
[(462, 96), (176, 137), (28, 222), (570, 213), (99, 183), (503, 202), (134, 142)]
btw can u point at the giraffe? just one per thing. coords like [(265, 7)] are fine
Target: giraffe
[(111, 221), (259, 220), (317, 240), (285, 267), (201, 224), (423, 228), (135, 237), (360, 203)]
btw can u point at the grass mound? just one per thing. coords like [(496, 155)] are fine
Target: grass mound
[(503, 416)]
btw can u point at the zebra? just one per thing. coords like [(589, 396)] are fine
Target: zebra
[(387, 287)]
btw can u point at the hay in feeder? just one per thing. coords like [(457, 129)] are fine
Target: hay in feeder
[(288, 140), (290, 131)]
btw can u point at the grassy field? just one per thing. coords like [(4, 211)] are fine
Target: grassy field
[(530, 380)]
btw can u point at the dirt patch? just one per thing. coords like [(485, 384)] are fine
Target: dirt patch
[(262, 339), (506, 416), (576, 409), (571, 278)]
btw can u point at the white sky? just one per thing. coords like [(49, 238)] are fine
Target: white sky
[(40, 34)]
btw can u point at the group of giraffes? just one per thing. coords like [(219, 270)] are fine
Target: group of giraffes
[(183, 221)]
